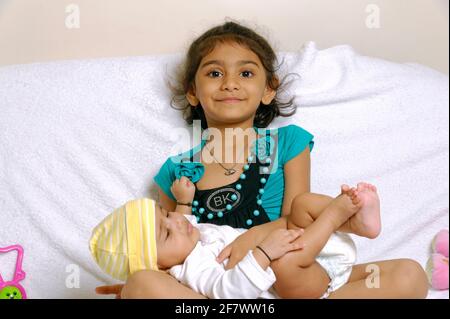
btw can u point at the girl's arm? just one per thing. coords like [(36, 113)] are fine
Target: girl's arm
[(260, 232), (165, 201), (297, 174), (297, 181), (237, 250), (248, 279)]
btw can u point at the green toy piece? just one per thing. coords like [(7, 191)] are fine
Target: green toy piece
[(10, 292)]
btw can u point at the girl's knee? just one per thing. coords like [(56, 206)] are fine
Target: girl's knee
[(410, 279), (300, 200), (299, 282), (138, 287)]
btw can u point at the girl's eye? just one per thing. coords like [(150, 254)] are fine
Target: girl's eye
[(214, 74), (247, 74)]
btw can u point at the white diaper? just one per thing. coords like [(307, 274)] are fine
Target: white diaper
[(337, 258)]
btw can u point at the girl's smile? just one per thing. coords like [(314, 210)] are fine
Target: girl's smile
[(230, 100)]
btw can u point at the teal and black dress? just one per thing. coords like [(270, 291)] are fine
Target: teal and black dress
[(257, 195)]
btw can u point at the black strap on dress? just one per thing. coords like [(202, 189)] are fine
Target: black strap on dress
[(216, 200), (245, 211)]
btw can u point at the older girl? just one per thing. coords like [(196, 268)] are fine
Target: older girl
[(228, 83)]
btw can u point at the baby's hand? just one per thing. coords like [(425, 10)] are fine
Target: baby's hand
[(183, 190), (281, 241)]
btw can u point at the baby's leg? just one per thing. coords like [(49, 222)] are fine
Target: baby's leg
[(302, 281), (399, 278), (317, 233), (307, 207), (298, 274)]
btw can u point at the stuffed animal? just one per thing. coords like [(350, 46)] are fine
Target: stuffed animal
[(437, 265)]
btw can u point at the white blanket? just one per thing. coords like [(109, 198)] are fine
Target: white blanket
[(79, 138)]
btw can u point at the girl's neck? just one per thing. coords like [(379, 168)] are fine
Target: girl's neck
[(232, 139), (244, 126)]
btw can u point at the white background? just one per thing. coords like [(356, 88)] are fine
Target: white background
[(35, 30)]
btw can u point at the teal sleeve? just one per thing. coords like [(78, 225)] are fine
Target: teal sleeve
[(295, 141), (165, 177)]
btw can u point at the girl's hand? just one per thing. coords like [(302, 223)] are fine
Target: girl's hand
[(281, 241), (109, 290), (237, 250), (183, 190)]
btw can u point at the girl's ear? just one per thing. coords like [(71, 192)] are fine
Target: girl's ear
[(192, 99), (270, 92), (269, 95)]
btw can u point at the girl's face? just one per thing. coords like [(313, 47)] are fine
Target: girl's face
[(175, 237), (229, 84)]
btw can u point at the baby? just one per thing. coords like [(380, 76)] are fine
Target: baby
[(141, 235)]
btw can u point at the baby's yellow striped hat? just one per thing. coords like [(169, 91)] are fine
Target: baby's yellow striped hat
[(125, 241)]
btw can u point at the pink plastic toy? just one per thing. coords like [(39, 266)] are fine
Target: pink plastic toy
[(437, 265), (12, 289)]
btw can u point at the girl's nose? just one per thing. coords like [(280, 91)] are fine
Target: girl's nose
[(230, 83)]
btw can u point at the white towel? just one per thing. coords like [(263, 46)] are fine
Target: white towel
[(79, 138)]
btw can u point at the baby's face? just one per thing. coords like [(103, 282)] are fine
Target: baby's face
[(175, 237)]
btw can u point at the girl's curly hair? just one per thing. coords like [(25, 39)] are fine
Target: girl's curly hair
[(203, 45)]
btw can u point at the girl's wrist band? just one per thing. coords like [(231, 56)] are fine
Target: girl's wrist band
[(270, 259), (185, 204)]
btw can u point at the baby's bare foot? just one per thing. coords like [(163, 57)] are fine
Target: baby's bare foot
[(366, 222), (345, 204)]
